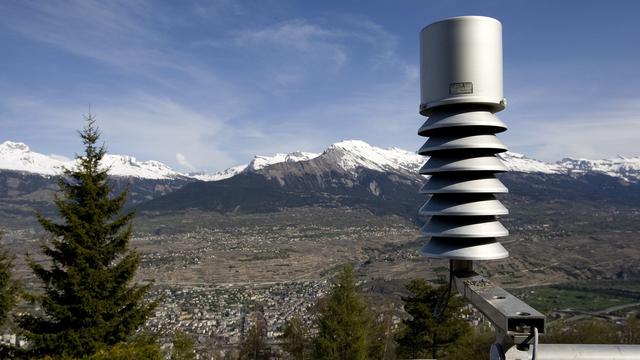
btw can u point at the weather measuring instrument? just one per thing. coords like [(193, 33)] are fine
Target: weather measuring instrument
[(461, 91)]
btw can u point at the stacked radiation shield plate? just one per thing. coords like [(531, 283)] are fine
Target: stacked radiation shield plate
[(460, 92), (462, 164)]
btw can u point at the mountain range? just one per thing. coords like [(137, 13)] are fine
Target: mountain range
[(348, 155), (347, 174)]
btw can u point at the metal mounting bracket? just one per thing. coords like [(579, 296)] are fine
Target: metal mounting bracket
[(513, 318)]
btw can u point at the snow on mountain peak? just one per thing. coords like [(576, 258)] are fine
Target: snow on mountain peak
[(520, 163), (18, 157), (348, 154), (260, 161), (10, 145), (125, 165), (627, 168), (220, 175), (351, 154)]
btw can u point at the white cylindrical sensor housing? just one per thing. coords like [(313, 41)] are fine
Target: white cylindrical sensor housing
[(461, 63)]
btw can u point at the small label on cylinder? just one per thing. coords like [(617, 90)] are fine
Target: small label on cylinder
[(460, 88)]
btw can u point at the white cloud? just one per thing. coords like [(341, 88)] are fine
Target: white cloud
[(171, 102), (159, 127), (115, 33), (300, 36), (595, 130), (609, 131), (180, 108), (147, 126), (182, 160), (60, 157), (298, 49), (287, 78), (218, 8)]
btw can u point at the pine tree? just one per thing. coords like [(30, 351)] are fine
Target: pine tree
[(296, 339), (476, 344), (8, 285), (382, 342), (343, 322), (183, 347), (88, 301), (426, 334), (254, 346)]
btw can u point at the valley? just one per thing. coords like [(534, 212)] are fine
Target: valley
[(267, 238)]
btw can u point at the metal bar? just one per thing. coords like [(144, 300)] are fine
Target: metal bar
[(577, 352), (506, 312), (514, 319)]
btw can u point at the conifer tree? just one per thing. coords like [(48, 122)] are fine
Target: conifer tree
[(343, 322), (9, 289), (89, 300), (426, 334), (8, 285), (183, 347), (382, 337), (296, 339), (254, 346)]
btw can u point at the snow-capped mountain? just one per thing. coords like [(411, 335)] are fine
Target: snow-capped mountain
[(627, 168), (260, 162), (220, 175), (354, 174), (129, 166), (18, 157), (347, 155), (349, 173), (520, 163), (352, 154)]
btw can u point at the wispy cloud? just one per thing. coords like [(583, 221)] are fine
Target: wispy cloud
[(93, 29), (298, 34), (293, 50), (182, 160), (611, 129), (156, 100), (297, 49), (315, 38), (160, 127), (147, 126), (217, 9), (125, 35), (210, 84), (550, 124)]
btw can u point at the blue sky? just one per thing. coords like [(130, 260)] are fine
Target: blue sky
[(206, 85)]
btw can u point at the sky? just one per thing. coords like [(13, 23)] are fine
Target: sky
[(205, 85)]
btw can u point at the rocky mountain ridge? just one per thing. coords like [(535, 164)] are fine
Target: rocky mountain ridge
[(348, 155)]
